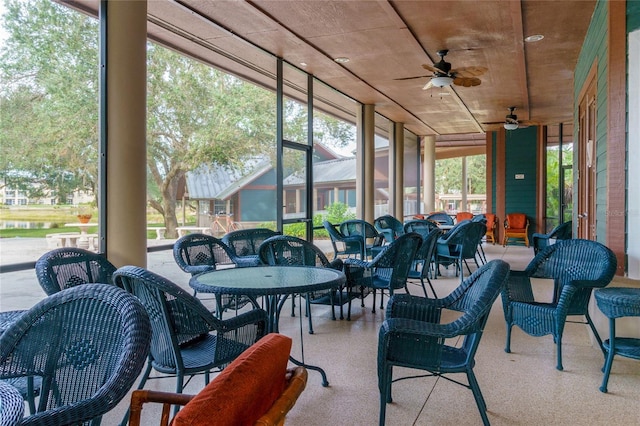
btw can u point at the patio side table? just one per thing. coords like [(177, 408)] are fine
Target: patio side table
[(617, 302)]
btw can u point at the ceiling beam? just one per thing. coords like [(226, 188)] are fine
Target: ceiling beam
[(515, 8)]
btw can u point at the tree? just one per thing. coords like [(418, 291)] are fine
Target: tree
[(195, 115)]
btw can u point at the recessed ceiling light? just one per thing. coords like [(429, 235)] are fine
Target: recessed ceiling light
[(534, 38), (341, 60), (303, 64)]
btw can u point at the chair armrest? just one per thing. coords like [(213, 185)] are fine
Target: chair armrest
[(358, 262), (420, 328), (142, 396), (336, 264), (518, 288), (255, 316), (198, 269), (415, 308), (296, 382)]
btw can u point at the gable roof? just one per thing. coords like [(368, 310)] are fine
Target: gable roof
[(221, 182)]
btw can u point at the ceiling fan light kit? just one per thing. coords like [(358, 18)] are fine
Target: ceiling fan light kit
[(510, 126), (441, 81)]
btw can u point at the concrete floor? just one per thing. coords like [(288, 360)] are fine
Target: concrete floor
[(520, 388)]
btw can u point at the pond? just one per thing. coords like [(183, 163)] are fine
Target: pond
[(20, 224)]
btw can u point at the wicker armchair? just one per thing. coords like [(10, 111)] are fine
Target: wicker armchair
[(187, 339), (516, 225), (88, 344), (343, 245), (441, 218), (423, 260), (389, 227), (197, 253), (458, 245), (460, 216), (244, 244), (371, 238), (412, 335), (576, 267), (68, 267), (390, 268), (421, 226), (286, 250), (560, 232), (492, 227)]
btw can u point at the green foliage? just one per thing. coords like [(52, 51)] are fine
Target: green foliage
[(449, 172)]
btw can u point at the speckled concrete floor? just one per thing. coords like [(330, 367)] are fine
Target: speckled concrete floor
[(520, 388)]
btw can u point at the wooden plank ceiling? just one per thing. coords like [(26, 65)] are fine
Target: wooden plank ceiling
[(387, 42)]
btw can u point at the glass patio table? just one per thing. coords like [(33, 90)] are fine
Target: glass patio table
[(275, 284)]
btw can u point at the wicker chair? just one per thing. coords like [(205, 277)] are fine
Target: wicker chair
[(197, 253), (441, 218), (576, 267), (187, 339), (68, 267), (413, 337), (389, 227), (560, 232), (366, 232), (516, 225), (421, 226), (422, 264), (390, 268), (244, 244), (292, 251), (88, 344), (343, 245), (458, 245), (492, 227)]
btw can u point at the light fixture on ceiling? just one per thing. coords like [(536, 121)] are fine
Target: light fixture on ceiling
[(341, 60), (533, 38), (510, 126), (441, 81)]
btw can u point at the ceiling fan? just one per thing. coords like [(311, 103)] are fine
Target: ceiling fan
[(511, 121), (443, 75)]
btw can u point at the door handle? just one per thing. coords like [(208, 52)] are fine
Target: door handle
[(583, 216)]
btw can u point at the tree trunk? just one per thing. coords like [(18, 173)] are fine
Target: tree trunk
[(169, 196)]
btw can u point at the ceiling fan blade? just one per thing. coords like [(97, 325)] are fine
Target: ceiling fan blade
[(469, 72), (466, 82), (411, 78), (433, 69), (428, 86)]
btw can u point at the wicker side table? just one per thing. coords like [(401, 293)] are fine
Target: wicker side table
[(617, 302)]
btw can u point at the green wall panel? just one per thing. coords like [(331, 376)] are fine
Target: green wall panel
[(594, 49), (633, 15), (520, 194)]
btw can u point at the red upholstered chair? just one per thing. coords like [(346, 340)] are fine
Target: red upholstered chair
[(516, 225), (492, 227), (255, 389), (460, 216)]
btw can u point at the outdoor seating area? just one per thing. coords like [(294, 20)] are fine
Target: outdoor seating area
[(334, 343)]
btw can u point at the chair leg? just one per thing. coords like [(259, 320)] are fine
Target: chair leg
[(559, 352), (308, 303), (507, 347), (477, 394)]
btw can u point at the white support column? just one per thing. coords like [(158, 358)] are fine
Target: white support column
[(126, 176), (429, 173), (463, 203), (396, 170), (365, 163)]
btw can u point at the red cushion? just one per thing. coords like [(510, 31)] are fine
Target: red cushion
[(517, 221), (243, 391)]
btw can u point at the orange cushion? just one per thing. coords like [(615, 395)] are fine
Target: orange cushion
[(491, 220), (517, 221), (243, 391)]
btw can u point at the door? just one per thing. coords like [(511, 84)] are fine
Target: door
[(296, 159), (587, 161)]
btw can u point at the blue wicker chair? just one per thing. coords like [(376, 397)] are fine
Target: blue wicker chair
[(458, 245), (366, 232), (441, 218), (413, 337), (390, 268), (87, 343), (421, 226), (244, 244), (286, 250), (422, 264), (11, 405), (343, 245), (560, 232), (197, 253), (68, 266), (576, 267), (187, 339), (389, 227)]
